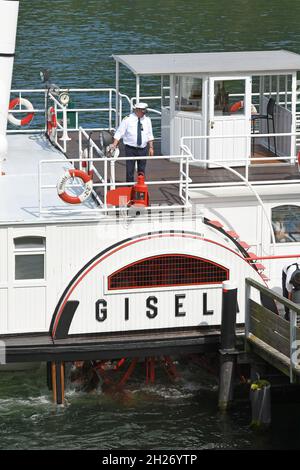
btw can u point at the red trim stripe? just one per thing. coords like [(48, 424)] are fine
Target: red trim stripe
[(149, 237)]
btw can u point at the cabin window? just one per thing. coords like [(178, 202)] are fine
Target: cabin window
[(168, 270), (29, 255), (286, 223), (188, 94), (229, 97)]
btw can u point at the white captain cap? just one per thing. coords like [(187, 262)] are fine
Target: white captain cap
[(140, 105)]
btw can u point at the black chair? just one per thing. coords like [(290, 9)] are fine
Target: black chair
[(269, 116)]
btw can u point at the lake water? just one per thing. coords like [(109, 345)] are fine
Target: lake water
[(75, 39)]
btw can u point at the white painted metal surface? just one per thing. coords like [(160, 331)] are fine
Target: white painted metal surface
[(19, 188), (189, 124), (8, 29), (210, 62), (28, 306)]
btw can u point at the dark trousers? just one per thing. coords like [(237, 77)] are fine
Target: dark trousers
[(130, 164), (285, 294)]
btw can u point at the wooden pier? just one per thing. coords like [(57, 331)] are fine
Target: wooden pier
[(270, 336)]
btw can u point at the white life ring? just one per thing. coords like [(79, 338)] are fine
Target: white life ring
[(72, 173), (27, 105)]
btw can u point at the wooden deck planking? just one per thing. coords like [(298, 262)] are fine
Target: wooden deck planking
[(30, 348), (166, 170)]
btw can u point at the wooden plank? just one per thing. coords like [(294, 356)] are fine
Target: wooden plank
[(267, 355), (271, 338), (20, 340), (274, 321), (271, 355), (149, 336), (270, 328)]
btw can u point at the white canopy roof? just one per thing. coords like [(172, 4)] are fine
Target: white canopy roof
[(211, 62)]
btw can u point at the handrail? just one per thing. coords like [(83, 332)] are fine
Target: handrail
[(248, 184), (294, 311), (106, 184)]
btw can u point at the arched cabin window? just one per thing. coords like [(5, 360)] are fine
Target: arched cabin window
[(286, 223), (168, 270), (29, 258)]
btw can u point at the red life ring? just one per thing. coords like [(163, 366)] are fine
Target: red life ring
[(51, 120), (72, 173), (236, 106), (27, 119)]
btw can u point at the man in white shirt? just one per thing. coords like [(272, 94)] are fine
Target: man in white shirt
[(290, 282), (136, 131)]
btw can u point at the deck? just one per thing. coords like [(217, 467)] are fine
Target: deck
[(19, 187), (267, 169), (270, 336), (42, 347)]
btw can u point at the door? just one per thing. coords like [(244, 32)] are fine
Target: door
[(229, 114)]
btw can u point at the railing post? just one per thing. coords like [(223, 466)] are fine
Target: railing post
[(105, 182), (227, 351), (112, 174), (40, 187), (181, 174), (187, 180), (109, 113), (65, 136), (80, 148), (120, 108)]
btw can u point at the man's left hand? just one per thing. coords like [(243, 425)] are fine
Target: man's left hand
[(151, 151)]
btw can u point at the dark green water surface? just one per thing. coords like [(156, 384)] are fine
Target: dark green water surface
[(75, 39)]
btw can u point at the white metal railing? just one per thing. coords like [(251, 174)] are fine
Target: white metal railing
[(81, 114), (243, 161), (38, 110), (107, 96), (92, 155)]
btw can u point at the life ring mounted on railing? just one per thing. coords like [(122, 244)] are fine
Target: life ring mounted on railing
[(27, 105), (72, 173), (51, 120)]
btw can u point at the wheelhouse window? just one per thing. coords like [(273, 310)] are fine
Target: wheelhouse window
[(29, 255), (168, 271), (188, 94), (286, 223), (229, 97)]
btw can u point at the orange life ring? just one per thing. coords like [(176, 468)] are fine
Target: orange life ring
[(51, 120), (236, 106), (72, 173), (27, 119)]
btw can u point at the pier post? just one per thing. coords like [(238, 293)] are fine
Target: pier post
[(227, 350), (260, 398), (49, 375), (58, 382)]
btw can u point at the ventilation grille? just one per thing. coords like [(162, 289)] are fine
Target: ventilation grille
[(168, 270)]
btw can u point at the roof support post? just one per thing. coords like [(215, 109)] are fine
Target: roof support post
[(137, 88), (117, 120), (294, 99)]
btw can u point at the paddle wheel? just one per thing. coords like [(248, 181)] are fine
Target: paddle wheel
[(114, 375)]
